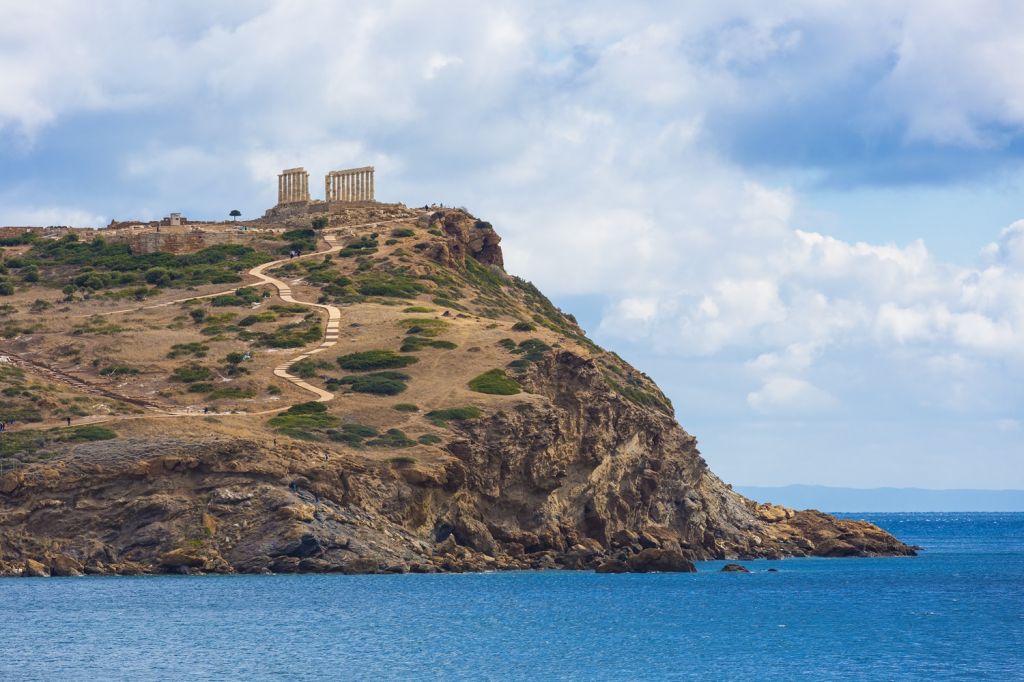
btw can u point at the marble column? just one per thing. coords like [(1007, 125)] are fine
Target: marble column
[(371, 197)]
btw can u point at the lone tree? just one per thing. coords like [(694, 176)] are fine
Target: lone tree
[(234, 214), (320, 222)]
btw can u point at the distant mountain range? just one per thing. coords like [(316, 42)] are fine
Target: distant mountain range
[(831, 499)]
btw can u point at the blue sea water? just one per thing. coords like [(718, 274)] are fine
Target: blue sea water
[(955, 612)]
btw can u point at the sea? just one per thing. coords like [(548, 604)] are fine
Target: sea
[(954, 612)]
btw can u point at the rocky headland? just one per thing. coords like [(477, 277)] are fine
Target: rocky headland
[(516, 443)]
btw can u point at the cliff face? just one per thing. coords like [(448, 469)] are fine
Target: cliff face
[(585, 468)]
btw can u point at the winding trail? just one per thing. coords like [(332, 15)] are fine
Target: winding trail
[(331, 332)]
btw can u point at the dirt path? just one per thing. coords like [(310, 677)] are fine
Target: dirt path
[(331, 333)]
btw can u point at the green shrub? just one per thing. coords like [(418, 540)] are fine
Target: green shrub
[(523, 327), (293, 335), (392, 438), (428, 439), (200, 387), (495, 382), (320, 222), (195, 349), (289, 309), (359, 247), (388, 284), (374, 359), (305, 369), (228, 300), (231, 392), (299, 240), (158, 277), (303, 420), (377, 383), (191, 373), (405, 407), (118, 371), (402, 232), (249, 294), (507, 344), (80, 434), (418, 309), (411, 344), (442, 417), (250, 320), (352, 434), (423, 326), (531, 350)]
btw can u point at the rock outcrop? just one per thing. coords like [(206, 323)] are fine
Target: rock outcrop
[(589, 480)]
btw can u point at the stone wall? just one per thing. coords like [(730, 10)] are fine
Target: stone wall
[(186, 242)]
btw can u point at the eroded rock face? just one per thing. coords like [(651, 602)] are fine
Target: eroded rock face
[(466, 237), (586, 480)]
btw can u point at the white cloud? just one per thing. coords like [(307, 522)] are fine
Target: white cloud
[(20, 216), (782, 394)]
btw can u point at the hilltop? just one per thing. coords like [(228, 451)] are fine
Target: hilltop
[(373, 395)]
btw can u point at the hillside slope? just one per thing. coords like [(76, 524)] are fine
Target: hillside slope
[(390, 400)]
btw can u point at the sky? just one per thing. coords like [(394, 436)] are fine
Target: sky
[(803, 219)]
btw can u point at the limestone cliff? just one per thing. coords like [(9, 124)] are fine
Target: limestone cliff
[(580, 464)]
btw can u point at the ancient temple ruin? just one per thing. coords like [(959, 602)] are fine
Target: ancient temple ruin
[(292, 186), (354, 184), (346, 186)]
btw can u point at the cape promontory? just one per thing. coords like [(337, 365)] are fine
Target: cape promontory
[(351, 386)]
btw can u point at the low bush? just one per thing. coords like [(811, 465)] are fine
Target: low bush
[(228, 300), (428, 439), (303, 421), (423, 326), (392, 438), (405, 407), (231, 392), (377, 383), (418, 309), (191, 373), (402, 232), (388, 284), (442, 417), (118, 371), (531, 350), (293, 335), (411, 344), (495, 382), (523, 327), (374, 359), (250, 320)]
